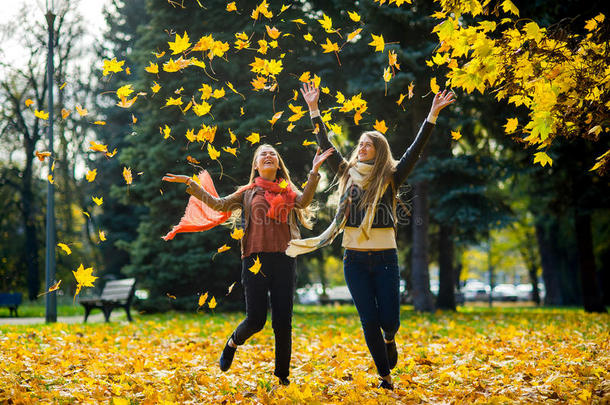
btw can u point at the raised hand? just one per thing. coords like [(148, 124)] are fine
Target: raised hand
[(311, 94), (318, 159), (441, 100)]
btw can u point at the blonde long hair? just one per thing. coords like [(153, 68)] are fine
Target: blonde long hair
[(382, 171), (305, 215)]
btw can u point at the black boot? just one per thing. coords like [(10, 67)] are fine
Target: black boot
[(226, 358), (392, 354), (386, 385), (284, 380)]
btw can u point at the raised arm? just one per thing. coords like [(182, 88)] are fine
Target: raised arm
[(224, 204), (412, 154), (311, 94), (305, 198)]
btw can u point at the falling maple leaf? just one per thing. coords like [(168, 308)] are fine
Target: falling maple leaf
[(90, 175), (50, 178), (307, 143), (411, 87), (52, 288), (354, 16), (543, 159), (511, 125), (223, 248), (65, 113), (401, 98), (237, 233), (98, 200), (327, 23), (231, 6), (253, 138), (329, 46), (180, 44), (276, 117), (41, 114), (84, 278), (124, 91), (65, 248), (456, 135), (353, 34), (233, 137), (202, 299), (387, 75), (212, 303), (308, 37), (152, 68), (127, 175), (255, 268), (102, 235), (42, 155), (111, 154), (273, 32), (213, 152), (127, 103), (112, 66), (81, 111), (433, 86), (380, 126), (377, 42), (170, 296), (232, 151), (231, 288), (98, 147)]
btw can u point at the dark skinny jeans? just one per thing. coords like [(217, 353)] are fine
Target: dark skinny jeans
[(276, 277), (373, 280)]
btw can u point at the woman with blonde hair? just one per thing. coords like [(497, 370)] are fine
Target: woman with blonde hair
[(270, 206), (368, 184)]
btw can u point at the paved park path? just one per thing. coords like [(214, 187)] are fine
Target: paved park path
[(94, 318)]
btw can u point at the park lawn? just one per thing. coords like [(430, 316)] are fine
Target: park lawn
[(477, 355)]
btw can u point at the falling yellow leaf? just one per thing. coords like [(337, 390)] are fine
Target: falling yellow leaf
[(98, 200), (99, 122), (42, 155), (231, 6), (98, 147), (511, 125), (65, 113), (377, 42), (290, 127), (202, 299), (223, 248), (543, 159), (255, 268), (54, 287), (232, 151), (152, 68), (283, 184), (276, 117), (329, 46), (124, 91), (308, 37), (111, 154), (353, 34), (180, 44), (84, 278), (456, 135), (41, 114), (28, 102), (127, 175), (400, 99), (307, 143), (380, 126), (433, 86), (50, 178), (213, 152), (273, 32), (112, 66), (253, 138), (237, 233), (81, 111), (90, 175), (65, 248), (387, 74), (212, 303), (102, 235), (411, 87)]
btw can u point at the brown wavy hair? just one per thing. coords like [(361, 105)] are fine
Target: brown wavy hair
[(382, 171)]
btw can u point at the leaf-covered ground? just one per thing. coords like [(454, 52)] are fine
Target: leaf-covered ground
[(480, 356)]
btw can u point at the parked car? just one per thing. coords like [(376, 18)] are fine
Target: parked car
[(336, 295), (525, 292), (307, 296), (504, 292), (476, 291)]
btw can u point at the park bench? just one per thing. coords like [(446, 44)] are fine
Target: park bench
[(116, 293), (12, 301)]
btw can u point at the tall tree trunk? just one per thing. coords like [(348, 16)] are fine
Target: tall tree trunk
[(592, 300), (548, 260), (605, 276), (533, 270), (446, 288), (423, 299), (29, 223)]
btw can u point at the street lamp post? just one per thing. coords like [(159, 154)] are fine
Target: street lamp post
[(51, 298)]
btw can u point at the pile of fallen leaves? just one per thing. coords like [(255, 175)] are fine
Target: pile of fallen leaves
[(528, 356)]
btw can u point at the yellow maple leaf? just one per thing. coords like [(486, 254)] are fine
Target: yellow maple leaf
[(64, 113), (102, 235), (112, 66), (152, 68), (111, 154), (125, 103), (41, 114), (180, 44), (65, 248), (456, 135), (202, 109), (353, 34), (401, 98), (202, 299), (90, 175), (98, 147), (232, 136), (255, 268), (127, 175), (377, 42), (212, 303), (411, 87), (231, 287), (511, 125), (219, 93), (173, 101), (273, 32), (81, 111), (237, 233), (327, 23), (290, 127), (231, 6), (98, 200), (308, 37), (28, 102), (433, 86), (42, 155), (543, 159), (84, 278), (253, 138), (307, 143), (223, 248), (354, 16), (387, 74), (509, 7), (299, 21), (276, 117), (99, 122), (380, 126), (213, 152), (329, 46)]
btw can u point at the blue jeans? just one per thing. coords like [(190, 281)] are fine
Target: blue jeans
[(373, 280)]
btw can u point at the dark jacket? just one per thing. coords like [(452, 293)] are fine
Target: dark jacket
[(384, 214), (243, 200)]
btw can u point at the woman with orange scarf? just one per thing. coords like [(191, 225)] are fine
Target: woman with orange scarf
[(270, 206)]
